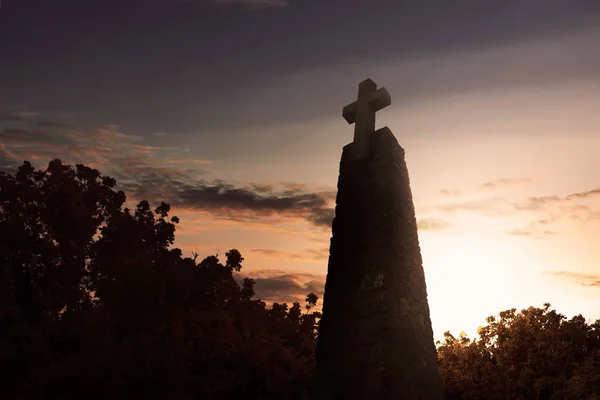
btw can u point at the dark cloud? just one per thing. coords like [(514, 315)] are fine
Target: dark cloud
[(581, 279), (11, 117), (10, 134), (322, 216), (584, 195), (219, 196), (282, 287), (145, 172), (260, 188), (54, 124), (30, 137), (242, 202)]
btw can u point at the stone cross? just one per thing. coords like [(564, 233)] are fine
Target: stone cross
[(361, 113)]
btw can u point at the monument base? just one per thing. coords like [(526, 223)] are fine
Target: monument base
[(375, 337)]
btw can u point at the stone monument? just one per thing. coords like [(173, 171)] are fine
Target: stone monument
[(375, 337)]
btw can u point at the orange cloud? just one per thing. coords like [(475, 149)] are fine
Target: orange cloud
[(321, 254), (581, 279), (506, 182), (565, 206), (170, 160), (519, 232), (450, 192), (275, 253)]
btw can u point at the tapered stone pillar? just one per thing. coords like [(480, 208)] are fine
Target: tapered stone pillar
[(375, 338)]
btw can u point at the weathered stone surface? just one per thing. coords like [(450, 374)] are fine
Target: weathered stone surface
[(375, 339)]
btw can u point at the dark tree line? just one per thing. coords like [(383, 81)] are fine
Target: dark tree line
[(96, 303)]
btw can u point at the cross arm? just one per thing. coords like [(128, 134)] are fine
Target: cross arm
[(379, 99), (349, 113)]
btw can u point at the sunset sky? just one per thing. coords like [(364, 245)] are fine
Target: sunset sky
[(230, 110)]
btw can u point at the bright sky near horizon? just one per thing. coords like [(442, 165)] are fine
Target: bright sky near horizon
[(231, 111)]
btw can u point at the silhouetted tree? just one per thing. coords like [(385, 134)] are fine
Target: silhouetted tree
[(95, 302), (534, 354)]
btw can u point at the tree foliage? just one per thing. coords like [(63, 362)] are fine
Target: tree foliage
[(96, 303), (534, 354)]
